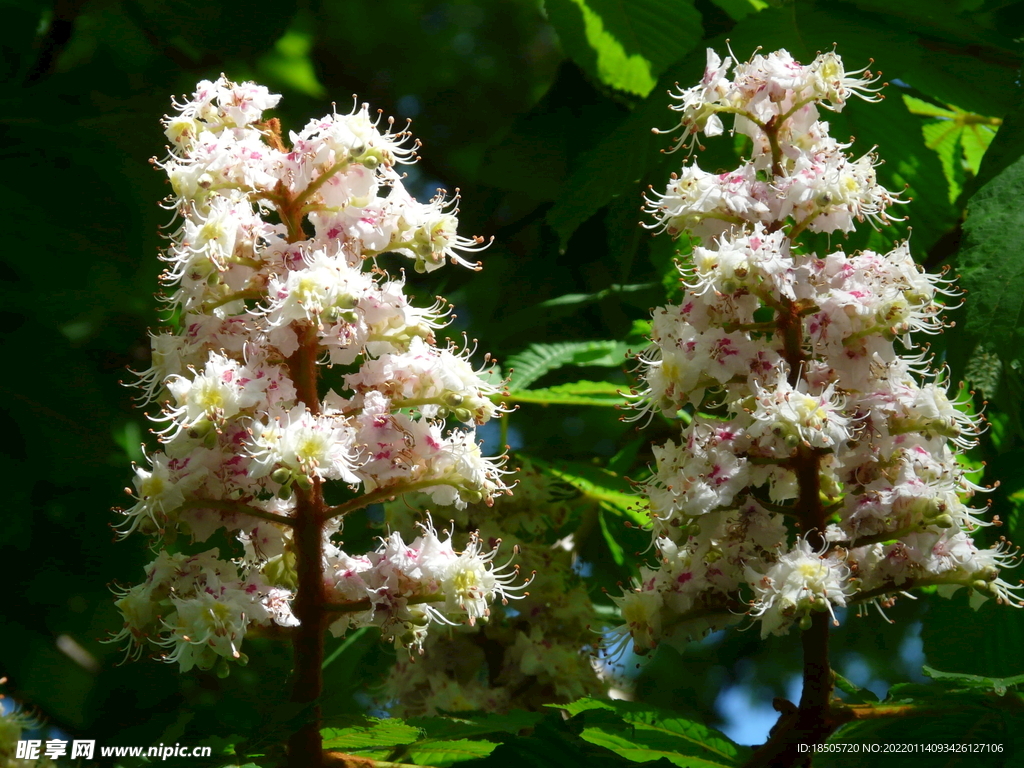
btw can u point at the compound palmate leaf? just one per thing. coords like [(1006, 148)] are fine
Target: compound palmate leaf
[(642, 733), (538, 359), (437, 742), (625, 44), (577, 393), (608, 489), (958, 721), (376, 734), (992, 261), (440, 754)]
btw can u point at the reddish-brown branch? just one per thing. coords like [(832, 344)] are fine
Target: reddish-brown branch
[(305, 746), (814, 719)]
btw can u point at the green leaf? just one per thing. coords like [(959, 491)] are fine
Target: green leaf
[(944, 138), (640, 733), (954, 710), (444, 753), (290, 63), (602, 393), (611, 168), (976, 139), (612, 491), (625, 45), (561, 306), (617, 552), (582, 705), (854, 693), (448, 727), (1008, 144), (936, 47), (959, 137), (961, 681), (992, 261), (539, 359), (740, 9), (984, 642), (377, 734)]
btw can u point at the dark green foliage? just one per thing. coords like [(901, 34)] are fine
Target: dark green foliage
[(543, 120)]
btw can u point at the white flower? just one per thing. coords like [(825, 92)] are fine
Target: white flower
[(313, 446), (787, 416), (800, 582), (707, 204), (220, 391), (641, 616)]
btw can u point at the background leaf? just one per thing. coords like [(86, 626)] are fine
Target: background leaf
[(625, 45), (992, 261), (538, 359)]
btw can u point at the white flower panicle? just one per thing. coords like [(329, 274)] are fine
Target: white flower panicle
[(795, 371), (273, 269), (536, 648), (401, 588)]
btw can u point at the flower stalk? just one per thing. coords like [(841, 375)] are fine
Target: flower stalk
[(821, 415), (274, 270)]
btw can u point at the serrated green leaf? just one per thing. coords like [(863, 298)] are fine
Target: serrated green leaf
[(577, 393), (944, 138), (611, 490), (450, 727), (854, 693), (960, 680), (625, 46), (960, 138), (566, 305), (927, 109), (640, 732), (377, 734), (539, 359), (582, 705), (976, 139), (642, 745), (958, 710), (992, 261), (440, 754)]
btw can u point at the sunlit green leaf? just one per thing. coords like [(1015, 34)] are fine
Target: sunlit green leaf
[(640, 733), (625, 45), (377, 734), (444, 753), (740, 9), (613, 491)]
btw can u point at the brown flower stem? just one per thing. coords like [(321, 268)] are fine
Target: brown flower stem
[(814, 719), (305, 746), (227, 505), (387, 493)]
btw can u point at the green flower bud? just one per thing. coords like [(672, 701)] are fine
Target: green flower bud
[(471, 496), (222, 668)]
